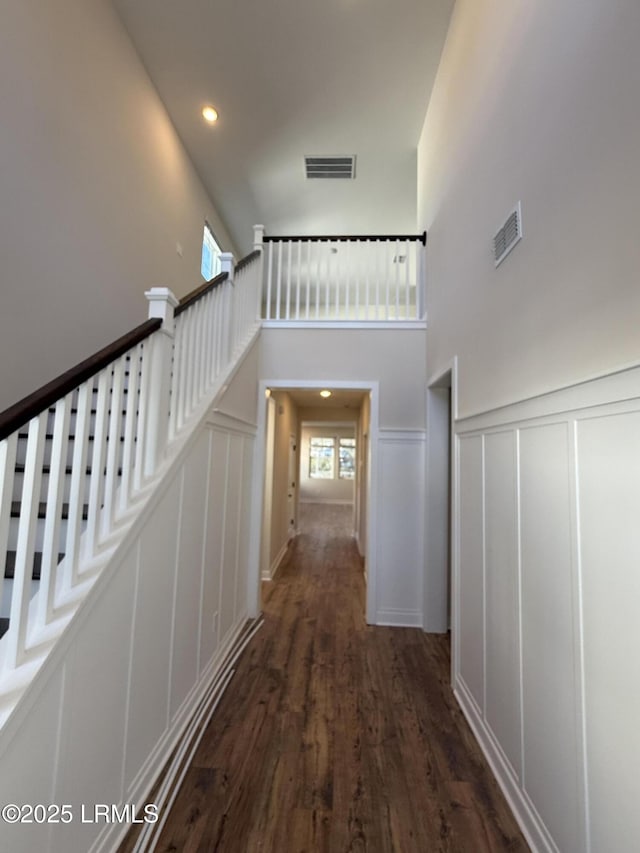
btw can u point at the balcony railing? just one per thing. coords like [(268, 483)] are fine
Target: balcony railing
[(344, 278)]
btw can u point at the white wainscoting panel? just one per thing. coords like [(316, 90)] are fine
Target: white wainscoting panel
[(549, 632), (548, 539), (188, 577), (470, 603), (609, 499), (502, 594), (115, 693), (400, 528), (28, 776)]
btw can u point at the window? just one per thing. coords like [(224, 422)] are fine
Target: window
[(321, 458), (210, 264), (347, 459)]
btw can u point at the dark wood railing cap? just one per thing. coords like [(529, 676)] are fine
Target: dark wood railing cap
[(248, 259), (197, 294), (23, 411), (341, 238)]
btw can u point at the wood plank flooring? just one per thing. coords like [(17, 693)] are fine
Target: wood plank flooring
[(335, 737)]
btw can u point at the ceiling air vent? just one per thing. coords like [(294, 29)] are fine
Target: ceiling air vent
[(508, 235), (330, 167)]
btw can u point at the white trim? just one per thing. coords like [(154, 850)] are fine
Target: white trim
[(326, 501), (583, 393), (402, 436), (231, 422), (529, 821), (346, 324), (439, 563), (275, 565), (141, 787), (397, 618)]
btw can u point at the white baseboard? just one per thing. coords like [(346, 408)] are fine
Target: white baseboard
[(140, 789), (525, 814), (273, 569), (327, 501), (399, 618)]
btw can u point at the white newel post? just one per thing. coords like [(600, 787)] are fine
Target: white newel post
[(227, 264), (258, 237), (258, 245), (162, 303), (421, 281)]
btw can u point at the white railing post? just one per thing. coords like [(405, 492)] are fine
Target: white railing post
[(258, 237), (162, 303), (420, 250), (227, 265)]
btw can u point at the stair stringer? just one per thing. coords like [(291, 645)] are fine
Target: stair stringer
[(110, 697)]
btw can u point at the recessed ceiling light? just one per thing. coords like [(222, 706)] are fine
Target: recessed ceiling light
[(209, 114), (325, 393)]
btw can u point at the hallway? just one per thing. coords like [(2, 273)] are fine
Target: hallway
[(334, 736)]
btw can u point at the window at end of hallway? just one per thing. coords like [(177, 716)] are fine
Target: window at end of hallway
[(321, 458), (210, 264), (347, 459)]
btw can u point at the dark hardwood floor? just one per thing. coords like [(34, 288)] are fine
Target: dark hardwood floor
[(334, 736)]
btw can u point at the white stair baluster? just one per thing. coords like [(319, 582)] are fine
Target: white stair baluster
[(113, 444), (96, 478), (25, 550), (8, 450), (78, 483), (55, 494), (130, 421)]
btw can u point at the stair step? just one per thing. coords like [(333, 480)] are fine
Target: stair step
[(10, 565), (42, 507)]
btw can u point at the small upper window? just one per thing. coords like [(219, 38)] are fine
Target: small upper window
[(210, 265)]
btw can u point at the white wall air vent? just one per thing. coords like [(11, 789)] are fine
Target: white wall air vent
[(508, 236), (330, 167)]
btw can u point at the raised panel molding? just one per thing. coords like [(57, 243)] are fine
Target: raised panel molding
[(551, 486)]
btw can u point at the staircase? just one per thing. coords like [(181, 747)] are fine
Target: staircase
[(57, 515), (78, 457)]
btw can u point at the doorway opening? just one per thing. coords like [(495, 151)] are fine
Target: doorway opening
[(439, 583), (317, 468)]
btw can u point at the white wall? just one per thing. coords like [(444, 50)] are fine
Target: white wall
[(320, 490), (532, 103), (95, 187), (393, 357), (101, 719)]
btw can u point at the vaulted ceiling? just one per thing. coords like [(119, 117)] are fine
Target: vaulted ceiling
[(291, 78)]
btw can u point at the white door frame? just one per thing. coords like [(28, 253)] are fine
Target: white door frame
[(440, 583), (259, 477)]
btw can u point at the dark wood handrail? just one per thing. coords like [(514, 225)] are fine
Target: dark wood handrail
[(248, 259), (353, 238), (23, 411), (200, 291)]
